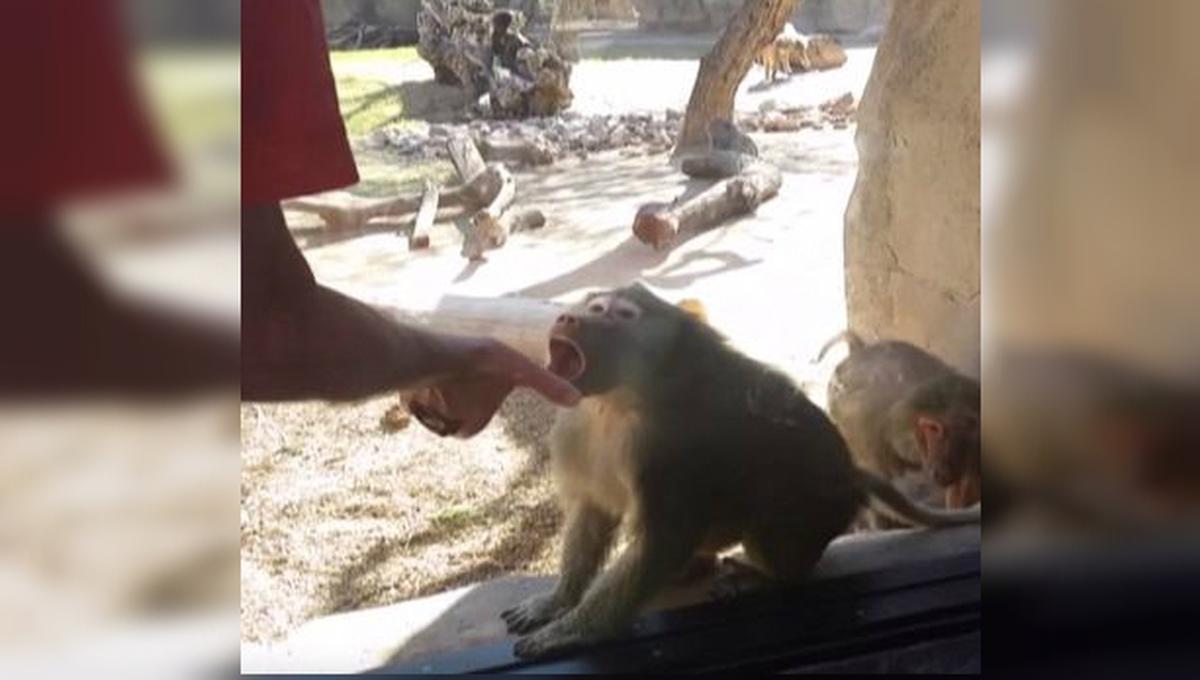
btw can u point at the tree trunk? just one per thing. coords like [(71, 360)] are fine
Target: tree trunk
[(722, 69)]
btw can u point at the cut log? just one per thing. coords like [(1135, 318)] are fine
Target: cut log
[(517, 151), (505, 193), (337, 216), (486, 230), (353, 214), (477, 242), (465, 157), (661, 224), (419, 236)]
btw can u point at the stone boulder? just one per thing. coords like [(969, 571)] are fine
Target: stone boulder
[(912, 224)]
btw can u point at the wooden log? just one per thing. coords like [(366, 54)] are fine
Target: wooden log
[(486, 230), (353, 214), (338, 216), (468, 163), (661, 224), (419, 236), (476, 243)]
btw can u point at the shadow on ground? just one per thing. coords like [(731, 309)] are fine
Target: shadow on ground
[(527, 529)]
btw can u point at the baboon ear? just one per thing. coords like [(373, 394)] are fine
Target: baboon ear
[(931, 429), (694, 308)]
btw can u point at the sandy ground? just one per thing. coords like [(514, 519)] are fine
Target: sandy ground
[(339, 515)]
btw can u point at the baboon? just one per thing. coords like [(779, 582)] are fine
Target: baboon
[(723, 135), (901, 409), (785, 52), (694, 447), (506, 42)]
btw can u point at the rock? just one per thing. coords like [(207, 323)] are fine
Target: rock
[(842, 106), (455, 38), (912, 245), (620, 136), (378, 139), (824, 52), (395, 419), (778, 122)]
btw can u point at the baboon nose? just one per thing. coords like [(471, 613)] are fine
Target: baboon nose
[(566, 320)]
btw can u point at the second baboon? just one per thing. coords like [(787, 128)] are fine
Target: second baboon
[(902, 410)]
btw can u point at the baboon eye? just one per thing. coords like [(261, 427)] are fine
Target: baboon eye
[(626, 312), (596, 308)]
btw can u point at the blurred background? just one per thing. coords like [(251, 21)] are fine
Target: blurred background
[(119, 232), (1091, 325)]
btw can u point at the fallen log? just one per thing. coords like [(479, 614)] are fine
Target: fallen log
[(477, 242), (419, 236), (506, 191), (348, 213), (465, 157), (661, 224)]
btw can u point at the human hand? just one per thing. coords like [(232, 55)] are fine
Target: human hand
[(485, 371)]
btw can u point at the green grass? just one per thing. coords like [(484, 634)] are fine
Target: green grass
[(192, 95), (341, 58), (367, 86), (381, 176), (455, 517), (368, 104)]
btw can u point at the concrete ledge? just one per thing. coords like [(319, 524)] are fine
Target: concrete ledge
[(469, 617)]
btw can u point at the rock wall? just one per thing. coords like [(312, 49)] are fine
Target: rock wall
[(401, 13), (811, 16), (912, 224), (684, 15), (850, 17)]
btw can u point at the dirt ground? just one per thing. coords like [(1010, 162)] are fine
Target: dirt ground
[(337, 514)]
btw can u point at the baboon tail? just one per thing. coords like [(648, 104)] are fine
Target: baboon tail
[(889, 500), (854, 343)]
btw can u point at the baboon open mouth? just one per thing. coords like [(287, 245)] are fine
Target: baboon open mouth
[(566, 358)]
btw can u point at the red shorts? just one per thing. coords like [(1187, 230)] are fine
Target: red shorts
[(293, 139), (73, 124), (76, 125)]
